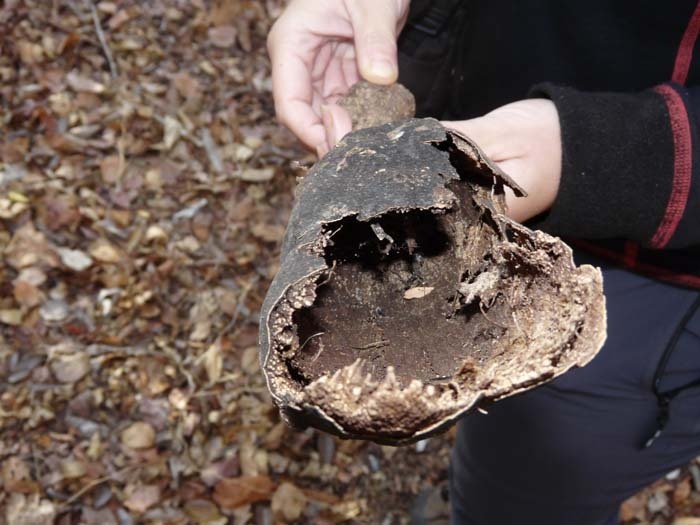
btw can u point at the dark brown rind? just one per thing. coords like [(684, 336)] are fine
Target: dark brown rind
[(524, 313)]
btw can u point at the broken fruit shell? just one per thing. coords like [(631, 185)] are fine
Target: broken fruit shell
[(406, 297)]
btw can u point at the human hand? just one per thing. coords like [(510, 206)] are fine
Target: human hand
[(524, 140), (318, 49)]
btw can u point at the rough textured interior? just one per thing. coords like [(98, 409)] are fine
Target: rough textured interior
[(425, 338)]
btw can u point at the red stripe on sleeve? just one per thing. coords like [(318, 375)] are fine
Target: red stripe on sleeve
[(684, 56), (631, 254), (682, 166), (648, 269)]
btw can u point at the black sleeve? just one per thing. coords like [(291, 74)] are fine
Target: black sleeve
[(628, 165)]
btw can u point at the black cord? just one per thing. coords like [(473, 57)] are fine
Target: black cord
[(664, 398)]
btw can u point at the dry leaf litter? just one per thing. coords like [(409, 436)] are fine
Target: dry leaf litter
[(144, 189)]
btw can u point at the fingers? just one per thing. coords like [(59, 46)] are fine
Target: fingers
[(292, 87), (333, 81), (337, 123), (303, 78), (375, 26), (303, 122), (293, 97)]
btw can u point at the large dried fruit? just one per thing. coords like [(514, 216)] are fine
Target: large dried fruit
[(406, 297)]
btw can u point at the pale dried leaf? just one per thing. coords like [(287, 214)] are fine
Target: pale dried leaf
[(268, 232), (201, 331), (682, 492), (104, 251), (188, 86), (288, 502), (213, 361), (112, 168), (172, 129), (14, 471), (81, 83), (27, 294), (29, 52), (120, 18), (215, 472), (156, 232), (212, 151), (140, 498), (29, 510), (10, 209), (255, 175), (11, 316), (204, 512), (72, 468), (76, 260), (70, 368), (33, 275), (222, 36), (191, 210), (657, 501), (54, 310), (30, 247), (139, 435), (418, 292)]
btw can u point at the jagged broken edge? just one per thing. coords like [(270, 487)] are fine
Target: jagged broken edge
[(303, 264)]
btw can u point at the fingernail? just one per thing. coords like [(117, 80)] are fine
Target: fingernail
[(383, 68)]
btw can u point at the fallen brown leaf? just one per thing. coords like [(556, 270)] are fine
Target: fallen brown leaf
[(140, 498), (222, 36), (236, 492), (70, 368), (104, 251), (81, 83), (29, 510), (138, 435), (288, 502)]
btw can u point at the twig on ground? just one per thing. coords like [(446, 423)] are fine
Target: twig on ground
[(103, 40), (97, 482), (241, 300)]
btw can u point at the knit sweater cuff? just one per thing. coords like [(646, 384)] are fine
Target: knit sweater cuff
[(617, 164)]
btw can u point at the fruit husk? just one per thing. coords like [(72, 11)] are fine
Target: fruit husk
[(347, 343)]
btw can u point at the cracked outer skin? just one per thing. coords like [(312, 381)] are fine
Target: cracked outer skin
[(413, 166)]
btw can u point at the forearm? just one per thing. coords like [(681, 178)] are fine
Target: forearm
[(627, 166)]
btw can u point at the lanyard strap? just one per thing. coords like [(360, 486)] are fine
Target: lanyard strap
[(664, 398)]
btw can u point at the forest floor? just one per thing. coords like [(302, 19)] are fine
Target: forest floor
[(144, 189)]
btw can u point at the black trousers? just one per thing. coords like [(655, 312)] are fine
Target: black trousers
[(568, 453)]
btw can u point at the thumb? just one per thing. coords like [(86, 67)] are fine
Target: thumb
[(485, 132), (374, 26)]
